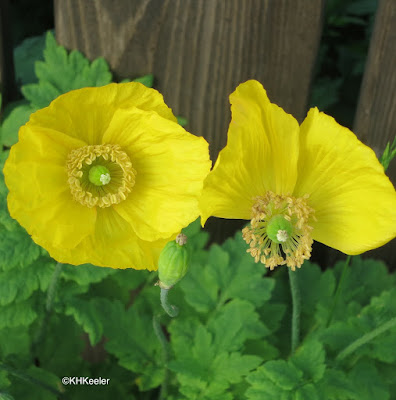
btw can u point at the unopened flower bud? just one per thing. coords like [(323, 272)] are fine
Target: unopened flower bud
[(173, 262)]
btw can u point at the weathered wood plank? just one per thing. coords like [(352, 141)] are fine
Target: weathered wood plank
[(7, 76), (199, 51), (375, 120)]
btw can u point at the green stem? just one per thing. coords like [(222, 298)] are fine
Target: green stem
[(31, 379), (296, 302), (165, 356), (171, 310), (365, 339), (48, 306), (338, 290)]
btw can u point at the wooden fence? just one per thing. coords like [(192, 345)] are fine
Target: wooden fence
[(200, 50)]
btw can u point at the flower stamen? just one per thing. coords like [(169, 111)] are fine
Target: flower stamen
[(279, 233), (100, 175)]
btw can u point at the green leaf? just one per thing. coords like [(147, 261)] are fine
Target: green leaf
[(28, 389), (15, 115), (25, 55), (86, 274), (146, 80), (307, 392), (6, 396), (14, 341), (207, 368), (368, 384), (61, 72), (335, 385), (228, 272), (182, 121), (236, 322), (17, 284), (84, 312), (17, 249), (4, 381), (275, 379), (17, 314), (132, 340), (310, 359)]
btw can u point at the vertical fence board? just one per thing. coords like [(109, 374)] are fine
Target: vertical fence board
[(199, 51), (375, 120), (7, 76)]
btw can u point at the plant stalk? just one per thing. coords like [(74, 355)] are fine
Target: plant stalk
[(365, 339), (170, 309), (48, 306), (165, 355), (296, 304), (338, 290), (31, 379)]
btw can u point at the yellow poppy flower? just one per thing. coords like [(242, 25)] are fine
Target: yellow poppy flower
[(297, 184), (106, 176)]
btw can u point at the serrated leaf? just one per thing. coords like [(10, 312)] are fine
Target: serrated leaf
[(61, 72), (14, 341), (310, 359), (86, 274), (232, 367), (368, 384), (17, 284), (17, 249), (132, 340), (15, 115), (25, 55), (17, 314), (236, 322), (146, 80), (85, 314), (282, 374), (307, 392), (40, 94), (27, 389), (336, 386), (228, 272)]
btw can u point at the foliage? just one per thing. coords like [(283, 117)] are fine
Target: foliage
[(231, 339)]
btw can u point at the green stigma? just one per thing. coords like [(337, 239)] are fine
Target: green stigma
[(279, 229), (99, 175)]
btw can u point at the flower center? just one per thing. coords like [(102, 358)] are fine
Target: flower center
[(279, 233), (100, 175)]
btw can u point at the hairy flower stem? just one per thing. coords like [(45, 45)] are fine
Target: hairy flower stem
[(48, 306), (296, 302), (366, 338), (338, 290), (171, 310), (31, 379), (165, 355)]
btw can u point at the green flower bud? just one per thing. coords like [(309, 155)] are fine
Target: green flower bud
[(173, 262)]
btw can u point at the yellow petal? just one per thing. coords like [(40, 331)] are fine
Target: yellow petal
[(170, 165), (261, 155), (354, 201), (39, 195), (86, 113), (113, 244)]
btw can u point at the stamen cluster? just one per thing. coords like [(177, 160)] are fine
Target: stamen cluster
[(295, 247), (115, 160)]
